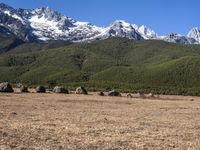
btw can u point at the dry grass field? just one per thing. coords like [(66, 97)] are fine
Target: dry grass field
[(59, 121)]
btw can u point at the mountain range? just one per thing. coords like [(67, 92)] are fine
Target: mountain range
[(44, 24)]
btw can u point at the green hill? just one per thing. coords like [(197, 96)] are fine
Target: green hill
[(118, 63)]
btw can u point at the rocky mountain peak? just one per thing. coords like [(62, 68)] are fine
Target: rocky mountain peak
[(194, 33), (147, 32), (5, 7)]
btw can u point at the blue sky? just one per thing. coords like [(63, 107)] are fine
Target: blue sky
[(161, 15)]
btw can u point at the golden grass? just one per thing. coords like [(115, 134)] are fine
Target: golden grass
[(59, 121)]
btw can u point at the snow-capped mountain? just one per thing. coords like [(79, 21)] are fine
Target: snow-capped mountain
[(177, 38), (195, 34), (147, 33), (45, 24), (119, 28)]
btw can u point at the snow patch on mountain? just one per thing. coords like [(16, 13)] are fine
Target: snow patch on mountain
[(45, 29), (14, 16)]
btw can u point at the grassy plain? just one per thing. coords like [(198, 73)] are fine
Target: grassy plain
[(59, 121)]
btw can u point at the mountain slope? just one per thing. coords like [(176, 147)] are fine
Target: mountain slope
[(8, 41), (113, 63)]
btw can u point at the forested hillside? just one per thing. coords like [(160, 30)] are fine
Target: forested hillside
[(118, 63)]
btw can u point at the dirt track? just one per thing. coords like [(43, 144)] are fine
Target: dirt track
[(53, 121)]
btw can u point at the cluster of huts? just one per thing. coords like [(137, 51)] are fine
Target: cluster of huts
[(7, 88)]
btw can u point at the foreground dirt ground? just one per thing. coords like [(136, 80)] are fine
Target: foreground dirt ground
[(59, 121)]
